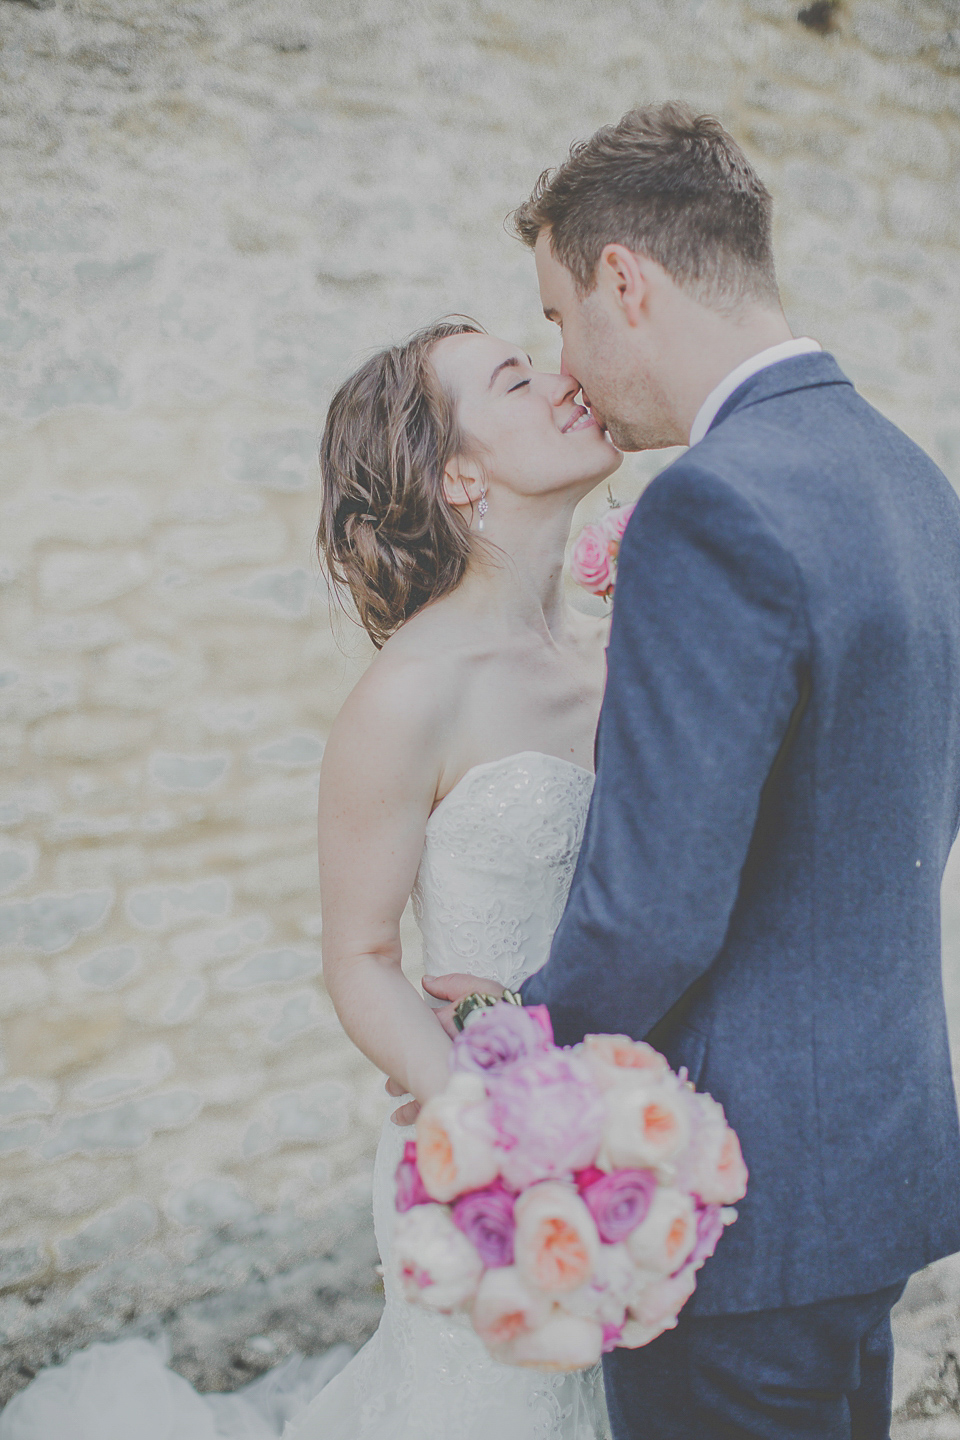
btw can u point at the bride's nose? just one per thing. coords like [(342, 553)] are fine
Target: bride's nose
[(565, 388)]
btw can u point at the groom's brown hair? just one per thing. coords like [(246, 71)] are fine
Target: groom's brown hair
[(667, 183)]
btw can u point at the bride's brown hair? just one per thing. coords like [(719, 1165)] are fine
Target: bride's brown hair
[(387, 537)]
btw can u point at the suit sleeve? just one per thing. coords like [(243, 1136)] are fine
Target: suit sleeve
[(707, 649)]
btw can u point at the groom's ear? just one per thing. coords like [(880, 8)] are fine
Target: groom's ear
[(623, 282)]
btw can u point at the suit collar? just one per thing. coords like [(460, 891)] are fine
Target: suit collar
[(803, 372)]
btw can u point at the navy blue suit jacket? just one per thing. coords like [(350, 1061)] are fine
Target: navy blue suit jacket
[(778, 787)]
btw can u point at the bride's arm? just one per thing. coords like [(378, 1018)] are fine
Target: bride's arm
[(377, 787)]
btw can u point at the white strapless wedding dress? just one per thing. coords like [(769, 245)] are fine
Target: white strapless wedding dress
[(498, 858)]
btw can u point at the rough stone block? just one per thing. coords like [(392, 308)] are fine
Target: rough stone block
[(122, 1127), (21, 1263), (188, 772), (110, 1234), (211, 547), (80, 736), (78, 579), (285, 593), (293, 752), (274, 967), (17, 864), (109, 968), (51, 922), (275, 459), (161, 907)]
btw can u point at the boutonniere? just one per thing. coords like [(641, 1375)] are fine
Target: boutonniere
[(596, 550)]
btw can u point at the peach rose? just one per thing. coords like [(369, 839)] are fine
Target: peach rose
[(614, 1059), (564, 1342), (665, 1239), (455, 1141), (436, 1266), (505, 1308), (556, 1244), (647, 1123), (713, 1167)]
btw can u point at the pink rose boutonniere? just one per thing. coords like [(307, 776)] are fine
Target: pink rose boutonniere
[(596, 550)]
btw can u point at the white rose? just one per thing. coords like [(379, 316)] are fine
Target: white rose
[(713, 1165), (564, 1342), (647, 1123), (556, 1244), (505, 1308), (633, 1334), (604, 1297), (455, 1151), (436, 1265), (667, 1234)]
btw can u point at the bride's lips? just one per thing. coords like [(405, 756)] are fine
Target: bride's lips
[(581, 419)]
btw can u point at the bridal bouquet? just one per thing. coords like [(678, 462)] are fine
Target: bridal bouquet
[(593, 561), (563, 1198)]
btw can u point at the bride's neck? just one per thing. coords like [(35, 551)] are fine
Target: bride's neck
[(516, 579)]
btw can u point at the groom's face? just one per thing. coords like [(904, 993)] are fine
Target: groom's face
[(613, 361)]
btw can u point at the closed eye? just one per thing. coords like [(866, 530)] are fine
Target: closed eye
[(518, 386)]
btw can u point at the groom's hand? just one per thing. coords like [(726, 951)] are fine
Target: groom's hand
[(406, 1114), (454, 988)]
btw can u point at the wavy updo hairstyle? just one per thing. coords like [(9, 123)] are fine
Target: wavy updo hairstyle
[(387, 537)]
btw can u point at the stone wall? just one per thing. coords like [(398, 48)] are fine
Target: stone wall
[(210, 211)]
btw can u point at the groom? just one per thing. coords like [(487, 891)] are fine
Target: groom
[(778, 784)]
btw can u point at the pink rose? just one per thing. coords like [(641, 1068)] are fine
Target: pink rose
[(556, 1242), (437, 1266), (617, 1202), (709, 1230), (410, 1188), (665, 1239), (612, 1335), (712, 1220), (713, 1167), (455, 1149), (613, 525), (486, 1218), (547, 1113), (590, 561), (495, 1037)]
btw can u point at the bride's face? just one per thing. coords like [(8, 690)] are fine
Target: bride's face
[(531, 436)]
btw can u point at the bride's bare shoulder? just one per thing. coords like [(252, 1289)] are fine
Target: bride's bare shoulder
[(408, 695)]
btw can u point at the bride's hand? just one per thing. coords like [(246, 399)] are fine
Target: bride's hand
[(454, 988)]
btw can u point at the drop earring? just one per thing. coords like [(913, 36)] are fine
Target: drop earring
[(483, 507)]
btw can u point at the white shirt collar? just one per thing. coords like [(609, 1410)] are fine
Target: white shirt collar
[(708, 410)]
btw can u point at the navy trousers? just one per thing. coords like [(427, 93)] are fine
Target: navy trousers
[(815, 1372)]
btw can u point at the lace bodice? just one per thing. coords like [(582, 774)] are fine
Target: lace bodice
[(498, 858)]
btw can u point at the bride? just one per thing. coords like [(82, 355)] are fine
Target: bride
[(459, 770)]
